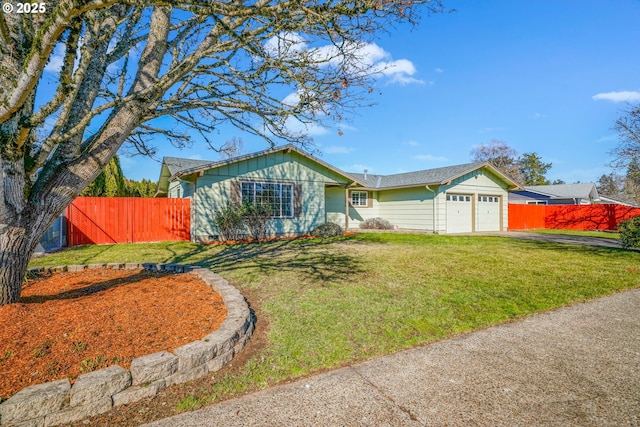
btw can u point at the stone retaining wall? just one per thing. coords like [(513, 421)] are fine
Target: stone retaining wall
[(58, 402)]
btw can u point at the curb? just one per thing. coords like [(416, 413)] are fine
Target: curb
[(58, 402)]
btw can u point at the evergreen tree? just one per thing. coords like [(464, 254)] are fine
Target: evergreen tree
[(109, 183), (112, 183), (608, 184), (533, 170)]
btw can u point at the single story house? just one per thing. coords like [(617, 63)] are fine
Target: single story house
[(304, 192), (557, 194)]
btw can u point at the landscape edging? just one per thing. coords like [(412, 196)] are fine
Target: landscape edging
[(93, 393)]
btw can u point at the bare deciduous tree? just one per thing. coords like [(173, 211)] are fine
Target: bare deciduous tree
[(231, 148), (628, 128), (126, 66), (499, 155)]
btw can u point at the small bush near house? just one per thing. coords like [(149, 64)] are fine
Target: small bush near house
[(255, 218), (236, 221), (376, 224), (328, 229), (630, 232), (230, 222)]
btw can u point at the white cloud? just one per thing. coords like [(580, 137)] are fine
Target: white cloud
[(337, 149), (430, 158), (369, 57), (539, 115), (622, 96), (399, 71), (285, 44), (292, 99), (413, 143), (56, 60), (311, 129), (439, 70)]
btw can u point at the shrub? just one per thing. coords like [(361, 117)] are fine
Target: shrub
[(376, 224), (230, 222), (630, 232), (328, 229), (255, 218)]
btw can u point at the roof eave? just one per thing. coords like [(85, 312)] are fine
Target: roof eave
[(272, 150)]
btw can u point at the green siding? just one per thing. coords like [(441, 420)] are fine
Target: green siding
[(480, 182), (213, 191), (179, 188), (413, 208), (410, 208), (335, 205)]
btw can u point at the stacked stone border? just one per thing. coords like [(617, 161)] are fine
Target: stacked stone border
[(58, 402)]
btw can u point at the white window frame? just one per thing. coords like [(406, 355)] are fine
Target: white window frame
[(359, 201), (535, 202), (457, 197), (278, 195)]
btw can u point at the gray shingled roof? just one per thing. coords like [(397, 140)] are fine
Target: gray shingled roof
[(566, 191), (423, 177), (177, 164)]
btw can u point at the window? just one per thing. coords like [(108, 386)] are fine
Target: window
[(359, 198), (536, 202), (489, 199), (278, 196), (458, 198)]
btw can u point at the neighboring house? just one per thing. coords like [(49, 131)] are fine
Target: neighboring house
[(558, 194), (305, 192), (621, 199)]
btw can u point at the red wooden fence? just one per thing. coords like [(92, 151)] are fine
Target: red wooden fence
[(569, 217), (96, 220)]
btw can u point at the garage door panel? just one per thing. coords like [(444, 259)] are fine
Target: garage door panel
[(459, 213), (488, 210)]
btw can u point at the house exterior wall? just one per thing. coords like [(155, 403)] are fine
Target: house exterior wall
[(335, 199), (357, 214), (478, 183), (408, 207), (179, 188), (423, 209), (213, 191), (522, 197)]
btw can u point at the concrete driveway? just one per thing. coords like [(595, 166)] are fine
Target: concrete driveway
[(602, 242), (575, 366)]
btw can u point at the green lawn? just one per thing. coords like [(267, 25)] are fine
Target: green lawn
[(333, 302)]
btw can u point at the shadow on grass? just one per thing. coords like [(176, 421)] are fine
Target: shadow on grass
[(572, 245), (312, 258)]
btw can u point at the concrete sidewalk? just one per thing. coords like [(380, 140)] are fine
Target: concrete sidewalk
[(577, 366)]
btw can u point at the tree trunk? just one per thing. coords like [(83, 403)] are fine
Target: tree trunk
[(16, 248)]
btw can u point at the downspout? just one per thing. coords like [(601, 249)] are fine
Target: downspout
[(346, 207), (433, 205)]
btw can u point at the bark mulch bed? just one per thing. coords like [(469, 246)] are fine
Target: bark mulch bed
[(72, 323)]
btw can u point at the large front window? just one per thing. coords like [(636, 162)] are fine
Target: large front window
[(278, 196)]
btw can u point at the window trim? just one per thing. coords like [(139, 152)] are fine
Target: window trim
[(279, 196), (359, 204)]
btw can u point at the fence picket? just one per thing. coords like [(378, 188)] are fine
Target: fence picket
[(569, 217), (100, 220)]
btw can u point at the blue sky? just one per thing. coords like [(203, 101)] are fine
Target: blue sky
[(549, 77)]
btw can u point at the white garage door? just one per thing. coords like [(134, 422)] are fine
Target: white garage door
[(459, 213), (488, 209)]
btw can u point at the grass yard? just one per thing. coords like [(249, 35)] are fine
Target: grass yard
[(334, 302)]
